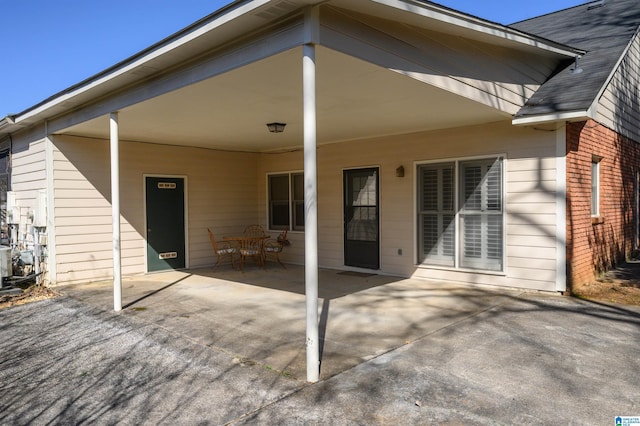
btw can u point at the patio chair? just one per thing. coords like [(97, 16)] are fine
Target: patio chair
[(223, 250), (254, 231), (273, 247), (251, 246)]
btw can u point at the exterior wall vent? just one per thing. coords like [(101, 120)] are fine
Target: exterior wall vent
[(277, 10), (596, 4)]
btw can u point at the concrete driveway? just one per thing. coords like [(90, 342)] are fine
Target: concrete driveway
[(228, 347)]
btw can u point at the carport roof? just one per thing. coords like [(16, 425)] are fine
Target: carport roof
[(243, 17)]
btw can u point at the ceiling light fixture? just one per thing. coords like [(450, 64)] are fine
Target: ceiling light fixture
[(276, 127)]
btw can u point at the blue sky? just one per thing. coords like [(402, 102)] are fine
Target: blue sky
[(50, 45)]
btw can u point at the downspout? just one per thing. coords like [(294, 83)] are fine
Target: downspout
[(50, 243), (561, 208)]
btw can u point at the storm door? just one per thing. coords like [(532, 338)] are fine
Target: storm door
[(361, 218), (165, 223)]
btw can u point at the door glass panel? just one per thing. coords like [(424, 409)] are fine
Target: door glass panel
[(363, 220), (361, 227)]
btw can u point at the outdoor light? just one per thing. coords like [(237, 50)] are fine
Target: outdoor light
[(400, 171), (276, 127)]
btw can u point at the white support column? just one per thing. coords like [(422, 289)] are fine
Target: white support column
[(115, 211), (311, 213), (561, 208)]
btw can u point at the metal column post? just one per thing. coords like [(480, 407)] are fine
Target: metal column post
[(115, 211), (311, 213)]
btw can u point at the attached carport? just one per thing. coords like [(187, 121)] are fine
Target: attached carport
[(334, 71)]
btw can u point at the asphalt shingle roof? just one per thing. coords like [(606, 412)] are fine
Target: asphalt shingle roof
[(603, 29)]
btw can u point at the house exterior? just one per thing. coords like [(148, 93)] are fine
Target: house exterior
[(419, 142)]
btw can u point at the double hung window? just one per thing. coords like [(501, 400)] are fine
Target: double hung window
[(461, 214), (286, 201)]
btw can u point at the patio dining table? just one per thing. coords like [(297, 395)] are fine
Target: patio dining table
[(249, 246)]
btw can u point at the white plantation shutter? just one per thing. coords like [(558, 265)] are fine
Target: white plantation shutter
[(468, 224), (481, 216), (437, 214)]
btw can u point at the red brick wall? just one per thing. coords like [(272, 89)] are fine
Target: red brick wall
[(594, 246)]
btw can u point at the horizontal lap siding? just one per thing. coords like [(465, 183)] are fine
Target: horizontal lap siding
[(28, 174), (219, 197), (530, 199), (619, 106), (499, 77)]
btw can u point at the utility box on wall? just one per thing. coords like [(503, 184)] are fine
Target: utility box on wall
[(13, 211), (40, 211)]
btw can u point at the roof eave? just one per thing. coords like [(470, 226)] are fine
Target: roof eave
[(529, 120), (491, 29), (72, 97), (7, 126), (137, 61)]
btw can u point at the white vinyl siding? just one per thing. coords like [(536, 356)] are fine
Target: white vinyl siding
[(83, 209), (227, 191), (529, 204), (28, 175), (618, 106), (498, 77)]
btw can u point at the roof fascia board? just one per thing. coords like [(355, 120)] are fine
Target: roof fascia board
[(469, 22), (220, 18)]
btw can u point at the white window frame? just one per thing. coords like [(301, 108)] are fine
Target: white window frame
[(595, 186), (458, 246), (291, 201)]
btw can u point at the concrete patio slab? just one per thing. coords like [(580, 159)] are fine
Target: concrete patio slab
[(259, 315), (226, 348)]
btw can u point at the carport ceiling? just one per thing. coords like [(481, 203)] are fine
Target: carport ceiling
[(355, 100)]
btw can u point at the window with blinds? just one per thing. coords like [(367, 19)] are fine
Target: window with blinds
[(481, 214), (461, 227), (437, 214)]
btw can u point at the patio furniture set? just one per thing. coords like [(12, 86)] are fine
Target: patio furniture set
[(253, 243)]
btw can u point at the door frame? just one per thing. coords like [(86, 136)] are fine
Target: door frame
[(186, 217), (379, 209)]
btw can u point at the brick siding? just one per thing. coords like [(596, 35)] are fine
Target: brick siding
[(597, 245)]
